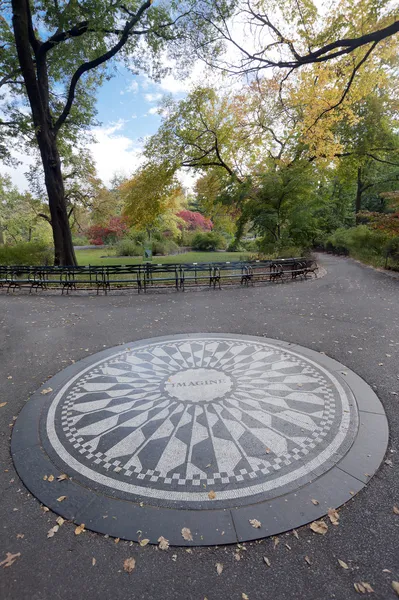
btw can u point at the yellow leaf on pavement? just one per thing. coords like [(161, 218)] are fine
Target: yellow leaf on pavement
[(186, 533), (9, 559), (144, 542), (129, 565), (80, 529), (319, 527), (255, 523), (163, 543)]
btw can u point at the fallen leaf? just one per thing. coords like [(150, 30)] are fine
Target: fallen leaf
[(211, 495), (343, 564), (396, 510), (386, 571), (276, 542), (3, 404), (9, 559), (237, 556), (255, 523), (288, 546), (333, 516), (129, 565), (144, 542), (307, 559), (219, 568), (62, 477), (163, 543), (244, 596), (174, 557), (50, 478), (267, 450), (395, 586), (93, 561), (117, 540), (20, 536), (46, 391), (61, 498), (186, 533), (52, 531), (60, 521), (45, 509), (319, 527), (315, 502), (45, 478), (267, 561), (295, 534), (362, 587), (80, 529)]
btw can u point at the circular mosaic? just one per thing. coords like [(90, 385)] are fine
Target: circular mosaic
[(172, 420)]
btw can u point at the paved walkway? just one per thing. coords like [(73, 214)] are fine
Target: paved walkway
[(352, 314)]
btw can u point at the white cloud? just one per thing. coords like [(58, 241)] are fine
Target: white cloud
[(114, 152), (151, 97), (17, 173), (153, 110)]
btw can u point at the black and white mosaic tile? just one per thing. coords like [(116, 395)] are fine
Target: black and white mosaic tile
[(147, 430), (175, 419)]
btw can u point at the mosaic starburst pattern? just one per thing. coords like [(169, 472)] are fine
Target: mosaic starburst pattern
[(177, 418)]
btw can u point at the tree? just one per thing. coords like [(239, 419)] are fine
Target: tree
[(151, 193), (289, 34), (50, 47), (199, 132), (194, 220), (19, 220)]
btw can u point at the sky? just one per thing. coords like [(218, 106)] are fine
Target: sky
[(127, 113)]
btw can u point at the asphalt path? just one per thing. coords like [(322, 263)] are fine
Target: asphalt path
[(351, 314)]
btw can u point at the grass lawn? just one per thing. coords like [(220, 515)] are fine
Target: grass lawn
[(93, 257)]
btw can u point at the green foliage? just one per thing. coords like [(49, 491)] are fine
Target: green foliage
[(209, 242), (80, 240), (164, 247), (360, 242), (29, 253), (128, 247)]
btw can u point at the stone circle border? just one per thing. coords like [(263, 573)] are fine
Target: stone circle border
[(107, 514)]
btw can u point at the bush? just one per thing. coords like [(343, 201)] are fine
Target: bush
[(195, 220), (27, 253), (127, 247), (358, 241), (164, 247), (392, 248), (80, 240), (208, 242)]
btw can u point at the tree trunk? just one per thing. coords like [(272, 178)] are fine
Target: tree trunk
[(34, 71), (64, 253), (359, 192)]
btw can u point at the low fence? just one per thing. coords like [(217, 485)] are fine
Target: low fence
[(149, 276)]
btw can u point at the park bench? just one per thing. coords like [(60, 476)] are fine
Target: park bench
[(123, 276), (264, 271), (230, 272), (74, 277), (196, 274), (166, 275), (152, 276), (18, 276)]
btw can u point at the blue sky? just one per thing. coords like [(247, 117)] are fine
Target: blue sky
[(126, 106)]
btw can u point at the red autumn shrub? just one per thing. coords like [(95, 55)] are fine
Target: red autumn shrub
[(107, 234), (195, 221)]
